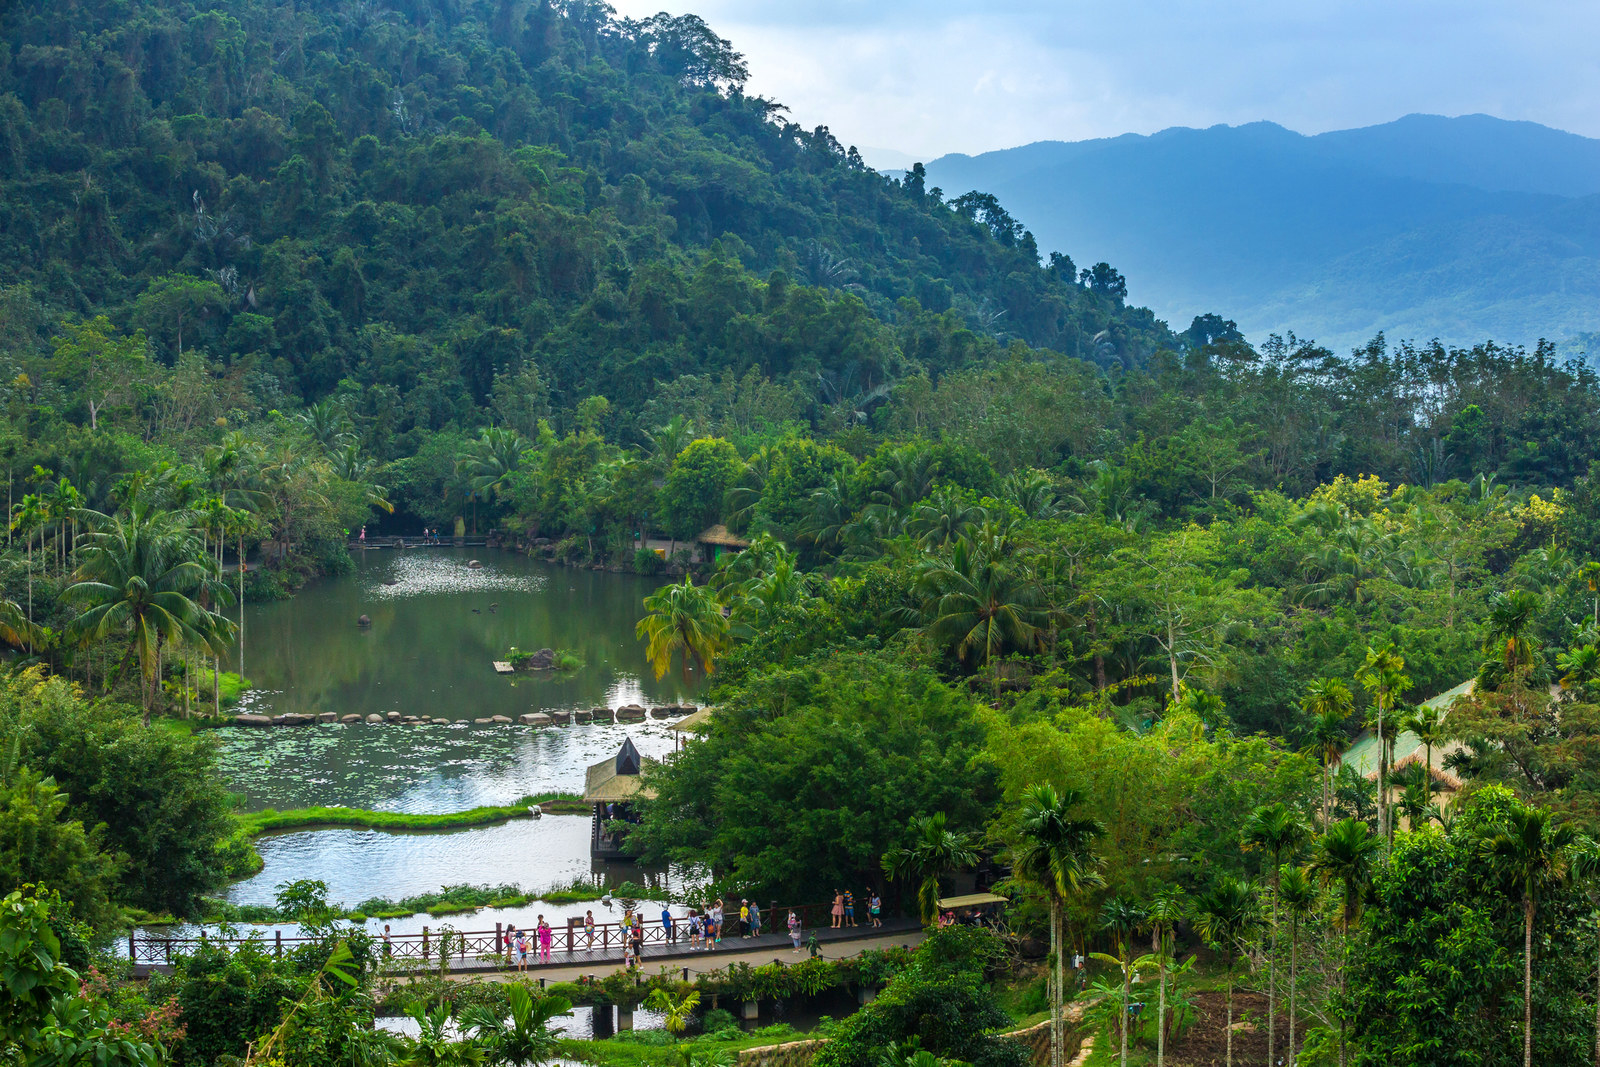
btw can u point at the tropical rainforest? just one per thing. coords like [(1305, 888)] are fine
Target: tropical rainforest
[(1030, 580)]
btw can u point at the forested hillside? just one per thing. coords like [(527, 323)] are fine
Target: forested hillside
[(413, 202)]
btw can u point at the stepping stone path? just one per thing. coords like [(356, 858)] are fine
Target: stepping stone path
[(626, 713)]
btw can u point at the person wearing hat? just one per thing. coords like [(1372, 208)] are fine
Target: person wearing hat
[(744, 918)]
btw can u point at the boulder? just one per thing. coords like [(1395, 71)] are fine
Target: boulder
[(293, 719), (631, 713), (328, 716), (352, 717), (474, 565), (537, 718), (441, 722), (500, 719), (392, 716), (374, 718), (365, 620), (482, 722), (583, 716), (526, 720), (660, 713), (542, 660), (412, 720), (688, 709), (251, 720), (561, 718)]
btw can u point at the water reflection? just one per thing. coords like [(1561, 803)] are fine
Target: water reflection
[(436, 626)]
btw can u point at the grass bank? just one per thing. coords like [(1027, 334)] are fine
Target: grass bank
[(256, 823)]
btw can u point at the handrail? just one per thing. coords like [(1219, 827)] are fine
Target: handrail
[(574, 937)]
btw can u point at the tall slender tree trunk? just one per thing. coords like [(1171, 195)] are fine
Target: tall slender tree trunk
[(1327, 794), (1527, 981), (241, 605), (1127, 979), (216, 687), (1272, 979), (1229, 1059), (1294, 980), (1161, 1011), (1057, 994), (1383, 799)]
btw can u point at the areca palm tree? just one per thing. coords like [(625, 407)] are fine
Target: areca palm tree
[(686, 621), (1056, 853), (1382, 676), (1298, 895), (1506, 633), (934, 850), (1226, 917), (1533, 852), (138, 575), (1580, 668), (523, 1038), (1166, 911), (1328, 742), (1585, 860), (1427, 722), (1344, 857), (1279, 831), (1123, 919)]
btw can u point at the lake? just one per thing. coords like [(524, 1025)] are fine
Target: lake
[(436, 626)]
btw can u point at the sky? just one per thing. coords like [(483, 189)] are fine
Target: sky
[(928, 77)]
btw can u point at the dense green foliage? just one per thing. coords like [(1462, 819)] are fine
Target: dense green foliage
[(153, 800)]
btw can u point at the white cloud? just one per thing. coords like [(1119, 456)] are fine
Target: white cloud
[(938, 76)]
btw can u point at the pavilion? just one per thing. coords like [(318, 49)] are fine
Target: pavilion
[(611, 786)]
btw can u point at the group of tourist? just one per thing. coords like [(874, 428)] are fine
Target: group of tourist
[(844, 908), (517, 943)]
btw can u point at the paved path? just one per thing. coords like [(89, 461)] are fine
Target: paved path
[(756, 951)]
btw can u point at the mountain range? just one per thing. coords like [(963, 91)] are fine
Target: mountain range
[(1460, 229)]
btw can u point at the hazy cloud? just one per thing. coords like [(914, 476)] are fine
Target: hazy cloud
[(934, 76)]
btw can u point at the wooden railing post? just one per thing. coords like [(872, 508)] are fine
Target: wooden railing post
[(424, 942), (499, 940), (133, 953), (277, 937)]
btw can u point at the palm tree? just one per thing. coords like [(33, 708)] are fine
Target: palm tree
[(488, 464), (1590, 573), (1534, 853), (1506, 634), (829, 513), (1166, 911), (1586, 868), (945, 516), (1032, 492), (1427, 723), (1381, 675), (1226, 917), (981, 604), (326, 423), (434, 1046), (1298, 896), (1580, 668), (137, 575), (1124, 919), (1328, 742), (1057, 853), (676, 1011), (523, 1039), (1344, 857), (1279, 831), (934, 849), (685, 620)]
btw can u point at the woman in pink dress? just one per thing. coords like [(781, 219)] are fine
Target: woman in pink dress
[(838, 908), (545, 934)]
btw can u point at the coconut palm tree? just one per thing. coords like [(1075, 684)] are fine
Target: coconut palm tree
[(1226, 918), (1166, 911), (488, 463), (139, 574), (1298, 895), (1123, 919), (523, 1038), (945, 516), (1277, 830), (934, 850), (1344, 857), (981, 604), (1056, 852), (685, 620), (1533, 853), (327, 423)]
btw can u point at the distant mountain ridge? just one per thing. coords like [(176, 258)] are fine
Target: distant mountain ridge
[(1457, 228)]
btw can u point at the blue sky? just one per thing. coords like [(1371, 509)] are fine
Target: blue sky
[(936, 76)]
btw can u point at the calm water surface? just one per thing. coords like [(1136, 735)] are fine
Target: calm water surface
[(435, 632), (437, 625)]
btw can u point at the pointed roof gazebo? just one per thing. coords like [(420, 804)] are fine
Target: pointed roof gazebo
[(615, 781)]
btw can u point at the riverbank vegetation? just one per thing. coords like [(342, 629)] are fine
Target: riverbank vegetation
[(1033, 588), (269, 820)]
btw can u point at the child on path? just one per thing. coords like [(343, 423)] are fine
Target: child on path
[(849, 908), (588, 928), (794, 929), (875, 909), (744, 918), (522, 951)]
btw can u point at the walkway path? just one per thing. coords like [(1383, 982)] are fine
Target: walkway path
[(755, 951)]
